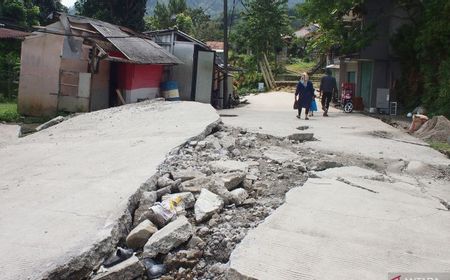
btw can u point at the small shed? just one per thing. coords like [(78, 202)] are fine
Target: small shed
[(195, 77), (79, 64)]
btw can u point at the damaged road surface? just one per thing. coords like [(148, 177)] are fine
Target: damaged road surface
[(66, 192), (378, 204)]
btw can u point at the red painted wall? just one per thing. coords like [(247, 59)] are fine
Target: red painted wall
[(136, 76)]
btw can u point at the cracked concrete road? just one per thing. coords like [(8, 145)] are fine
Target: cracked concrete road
[(62, 190), (349, 222), (354, 133), (9, 133)]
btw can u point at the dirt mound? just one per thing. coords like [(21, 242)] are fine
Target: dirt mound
[(436, 129)]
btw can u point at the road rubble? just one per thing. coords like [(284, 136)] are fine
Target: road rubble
[(221, 187)]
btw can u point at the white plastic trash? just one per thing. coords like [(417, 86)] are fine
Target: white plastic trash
[(260, 87)]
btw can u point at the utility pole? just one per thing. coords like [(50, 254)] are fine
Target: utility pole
[(225, 54)]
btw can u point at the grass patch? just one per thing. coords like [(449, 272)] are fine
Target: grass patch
[(441, 147), (299, 66), (8, 112)]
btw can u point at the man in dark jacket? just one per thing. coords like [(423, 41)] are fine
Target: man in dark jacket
[(327, 87)]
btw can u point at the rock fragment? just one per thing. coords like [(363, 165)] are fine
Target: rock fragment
[(239, 196), (207, 205), (138, 236), (128, 269), (169, 237), (142, 212), (228, 166), (186, 174), (196, 185), (231, 180)]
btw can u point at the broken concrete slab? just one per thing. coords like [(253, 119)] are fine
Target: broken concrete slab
[(164, 181), (354, 224), (239, 196), (128, 269), (280, 155), (207, 204), (142, 212), (112, 153), (196, 185), (137, 238), (186, 198), (169, 237), (52, 122), (218, 188), (228, 143), (222, 166), (230, 180), (186, 174)]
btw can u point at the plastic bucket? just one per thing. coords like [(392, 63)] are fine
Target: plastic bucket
[(170, 90)]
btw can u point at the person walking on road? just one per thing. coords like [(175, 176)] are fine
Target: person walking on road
[(328, 86), (304, 95)]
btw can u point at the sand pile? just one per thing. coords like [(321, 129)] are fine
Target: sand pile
[(436, 129)]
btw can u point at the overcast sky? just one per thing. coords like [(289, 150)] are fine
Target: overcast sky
[(68, 3)]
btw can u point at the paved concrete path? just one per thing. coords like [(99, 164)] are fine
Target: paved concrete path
[(349, 223), (353, 133), (9, 133), (329, 229), (63, 189)]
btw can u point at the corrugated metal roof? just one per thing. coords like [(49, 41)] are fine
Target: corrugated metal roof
[(133, 45), (6, 33), (136, 49), (154, 34)]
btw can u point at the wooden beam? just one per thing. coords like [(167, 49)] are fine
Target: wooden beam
[(268, 69), (263, 71), (119, 94)]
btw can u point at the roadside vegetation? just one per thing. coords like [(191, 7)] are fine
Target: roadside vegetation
[(299, 65), (8, 112), (441, 147)]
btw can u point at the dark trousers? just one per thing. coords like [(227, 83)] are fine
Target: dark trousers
[(300, 111), (326, 99)]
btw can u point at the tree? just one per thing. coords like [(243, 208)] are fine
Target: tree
[(128, 13), (22, 13), (422, 47), (46, 7), (173, 15), (263, 24), (337, 32), (17, 15)]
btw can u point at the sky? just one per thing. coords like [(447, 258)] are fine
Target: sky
[(68, 3)]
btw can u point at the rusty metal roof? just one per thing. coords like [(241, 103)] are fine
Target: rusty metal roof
[(134, 46), (6, 33)]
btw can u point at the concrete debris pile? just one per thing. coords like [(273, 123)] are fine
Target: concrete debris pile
[(205, 198), (437, 129)]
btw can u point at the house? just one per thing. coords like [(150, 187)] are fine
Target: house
[(374, 70), (200, 77), (306, 31), (78, 64)]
